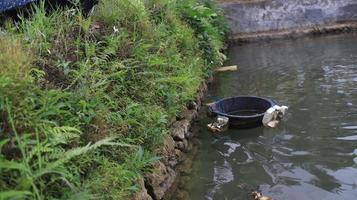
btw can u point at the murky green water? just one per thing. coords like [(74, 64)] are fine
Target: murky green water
[(313, 154)]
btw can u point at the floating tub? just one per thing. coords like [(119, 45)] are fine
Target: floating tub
[(12, 4), (242, 111)]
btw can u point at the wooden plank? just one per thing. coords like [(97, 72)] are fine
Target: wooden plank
[(227, 68)]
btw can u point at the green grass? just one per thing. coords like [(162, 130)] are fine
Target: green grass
[(84, 101)]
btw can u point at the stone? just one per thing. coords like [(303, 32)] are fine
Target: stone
[(188, 135), (142, 194), (182, 145), (189, 114), (178, 153), (172, 163), (158, 182), (192, 105), (181, 156), (178, 134), (167, 152), (185, 146), (179, 129)]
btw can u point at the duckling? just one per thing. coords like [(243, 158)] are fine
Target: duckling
[(259, 196), (221, 124)]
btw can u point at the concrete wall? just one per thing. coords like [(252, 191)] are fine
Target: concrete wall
[(277, 15)]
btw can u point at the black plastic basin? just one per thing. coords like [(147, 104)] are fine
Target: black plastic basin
[(242, 111)]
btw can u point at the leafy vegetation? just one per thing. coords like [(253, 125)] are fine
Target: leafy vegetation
[(84, 100)]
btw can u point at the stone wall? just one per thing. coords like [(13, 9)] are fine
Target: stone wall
[(246, 18), (176, 145)]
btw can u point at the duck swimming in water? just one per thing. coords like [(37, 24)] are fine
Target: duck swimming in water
[(221, 124), (259, 196), (274, 115)]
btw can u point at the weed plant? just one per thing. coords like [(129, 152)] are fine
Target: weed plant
[(85, 100)]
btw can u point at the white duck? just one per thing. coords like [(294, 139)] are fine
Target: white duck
[(273, 115)]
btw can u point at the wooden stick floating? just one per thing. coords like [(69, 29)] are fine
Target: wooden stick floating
[(227, 68)]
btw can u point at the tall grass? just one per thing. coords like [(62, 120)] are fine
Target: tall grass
[(84, 101)]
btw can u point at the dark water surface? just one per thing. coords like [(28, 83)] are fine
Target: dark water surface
[(313, 154), (246, 112)]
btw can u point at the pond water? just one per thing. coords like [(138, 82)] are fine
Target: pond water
[(312, 155)]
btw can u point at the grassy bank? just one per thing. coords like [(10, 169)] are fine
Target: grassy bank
[(84, 100)]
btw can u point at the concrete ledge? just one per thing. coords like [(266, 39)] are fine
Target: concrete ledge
[(262, 19), (295, 32)]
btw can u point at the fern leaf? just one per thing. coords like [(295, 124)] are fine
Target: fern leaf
[(63, 134), (5, 164), (67, 156)]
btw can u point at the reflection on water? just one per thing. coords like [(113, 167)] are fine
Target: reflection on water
[(313, 155)]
